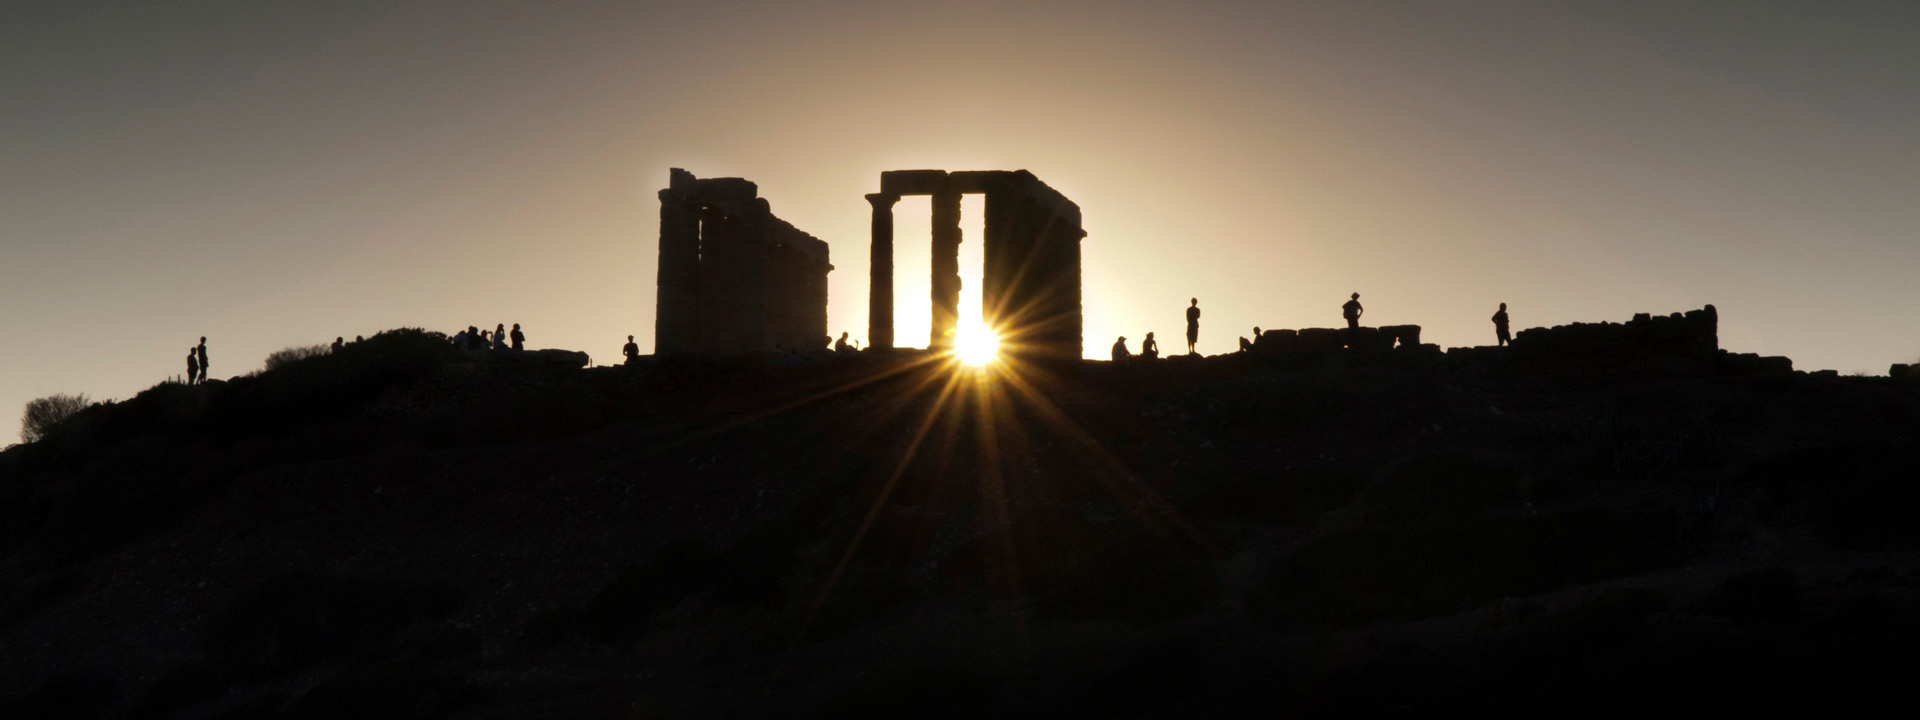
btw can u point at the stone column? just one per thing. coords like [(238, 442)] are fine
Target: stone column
[(880, 277), (998, 265), (676, 313), (718, 276), (946, 270)]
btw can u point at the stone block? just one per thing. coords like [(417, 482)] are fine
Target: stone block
[(1322, 339), (714, 189), (681, 181), (1900, 370), (1277, 341), (1403, 335)]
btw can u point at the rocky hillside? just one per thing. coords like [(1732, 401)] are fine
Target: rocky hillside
[(403, 530)]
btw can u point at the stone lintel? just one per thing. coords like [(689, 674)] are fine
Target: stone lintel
[(913, 182), (978, 181)]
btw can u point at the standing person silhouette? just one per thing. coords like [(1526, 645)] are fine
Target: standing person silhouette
[(519, 338), (631, 350), (1352, 311), (499, 336), (202, 351), (1193, 325), (1149, 348), (339, 342), (193, 365), (1500, 327)]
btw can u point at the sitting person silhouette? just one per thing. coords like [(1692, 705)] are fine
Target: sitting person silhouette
[(1246, 345), (338, 342), (1120, 354), (1149, 349), (841, 344), (193, 364), (519, 338), (1500, 327), (500, 336), (631, 350)]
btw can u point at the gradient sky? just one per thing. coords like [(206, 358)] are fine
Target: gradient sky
[(276, 174)]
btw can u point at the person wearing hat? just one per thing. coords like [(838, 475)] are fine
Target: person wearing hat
[(1120, 354), (1352, 311)]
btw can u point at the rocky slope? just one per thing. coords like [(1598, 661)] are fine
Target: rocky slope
[(401, 530)]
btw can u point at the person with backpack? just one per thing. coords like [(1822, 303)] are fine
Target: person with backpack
[(1352, 311)]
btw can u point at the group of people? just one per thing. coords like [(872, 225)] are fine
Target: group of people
[(1150, 348), (1352, 311), (474, 338), (197, 363)]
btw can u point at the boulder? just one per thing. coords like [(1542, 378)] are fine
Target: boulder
[(1322, 339), (1404, 335)]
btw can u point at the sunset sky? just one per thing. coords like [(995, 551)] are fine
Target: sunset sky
[(276, 174)]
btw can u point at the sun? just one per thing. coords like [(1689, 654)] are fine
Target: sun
[(976, 344)]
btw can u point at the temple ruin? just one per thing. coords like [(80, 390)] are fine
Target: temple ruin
[(732, 276), (1031, 259)]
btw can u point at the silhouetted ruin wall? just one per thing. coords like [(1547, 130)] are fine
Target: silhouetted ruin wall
[(1031, 290), (1677, 344), (1386, 337), (732, 276)]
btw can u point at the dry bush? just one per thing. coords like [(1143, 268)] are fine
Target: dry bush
[(294, 354), (45, 413)]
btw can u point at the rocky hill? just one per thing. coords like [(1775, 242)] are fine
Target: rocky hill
[(401, 529)]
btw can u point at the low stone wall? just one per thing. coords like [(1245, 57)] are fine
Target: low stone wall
[(1318, 339)]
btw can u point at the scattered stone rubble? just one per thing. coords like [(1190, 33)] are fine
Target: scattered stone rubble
[(1683, 343)]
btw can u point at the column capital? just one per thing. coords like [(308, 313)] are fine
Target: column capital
[(882, 200)]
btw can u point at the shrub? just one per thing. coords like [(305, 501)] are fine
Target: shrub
[(294, 354), (44, 413)]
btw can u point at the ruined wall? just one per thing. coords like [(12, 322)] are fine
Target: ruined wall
[(732, 276), (1311, 339), (1678, 344)]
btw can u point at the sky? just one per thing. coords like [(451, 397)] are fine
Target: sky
[(277, 174)]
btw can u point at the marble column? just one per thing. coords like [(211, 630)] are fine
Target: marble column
[(946, 270), (880, 282), (998, 266), (676, 315)]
